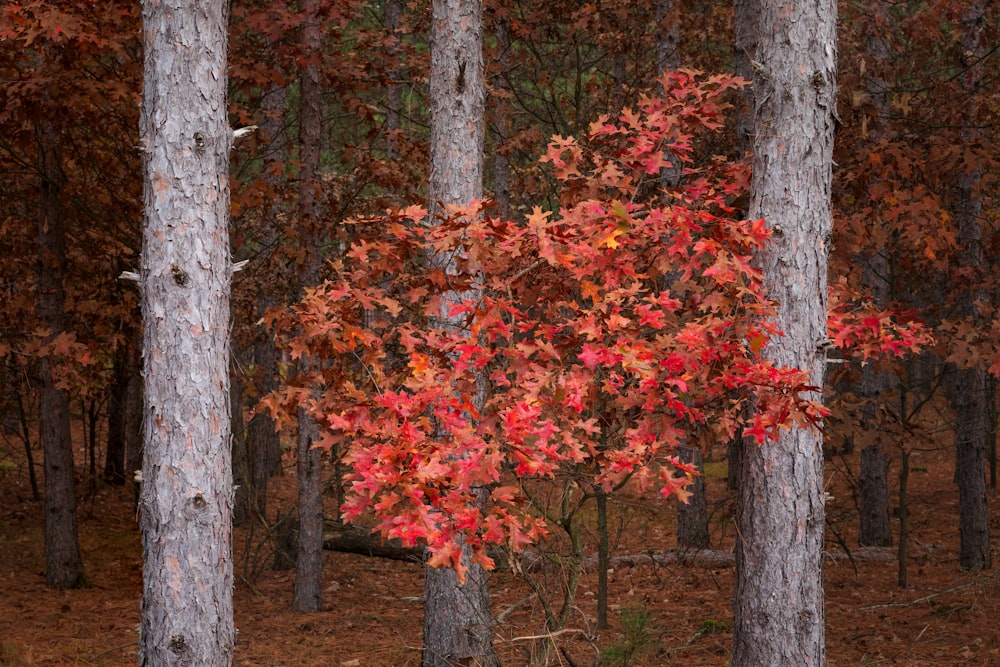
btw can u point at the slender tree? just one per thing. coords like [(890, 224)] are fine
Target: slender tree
[(307, 596), (779, 591), (457, 617), (63, 562), (967, 387), (187, 489), (876, 384)]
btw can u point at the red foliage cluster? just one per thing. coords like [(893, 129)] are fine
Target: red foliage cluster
[(592, 338)]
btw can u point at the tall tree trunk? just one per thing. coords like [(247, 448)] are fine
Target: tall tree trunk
[(778, 604), (668, 36), (501, 121), (308, 593), (263, 444), (876, 385), (967, 387), (876, 530), (63, 563), (393, 13), (692, 516), (458, 624), (186, 272)]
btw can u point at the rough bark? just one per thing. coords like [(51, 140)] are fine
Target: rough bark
[(240, 454), (876, 385), (393, 13), (668, 36), (967, 387), (692, 516), (501, 121), (778, 605), (876, 530), (187, 490), (63, 562), (124, 413), (114, 457), (263, 443), (308, 592), (967, 392), (458, 627)]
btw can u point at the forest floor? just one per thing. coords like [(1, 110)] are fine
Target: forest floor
[(673, 613)]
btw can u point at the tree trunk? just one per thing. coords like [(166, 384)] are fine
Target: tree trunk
[(692, 516), (876, 530), (778, 606), (876, 385), (967, 387), (308, 593), (187, 490), (967, 393), (63, 563), (458, 624), (240, 454), (502, 125), (668, 36), (263, 444), (393, 12)]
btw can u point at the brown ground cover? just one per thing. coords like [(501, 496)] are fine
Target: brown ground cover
[(945, 617)]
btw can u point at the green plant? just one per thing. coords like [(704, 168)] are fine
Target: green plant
[(9, 654), (640, 635)]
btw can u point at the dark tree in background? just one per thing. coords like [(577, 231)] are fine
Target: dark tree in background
[(63, 562)]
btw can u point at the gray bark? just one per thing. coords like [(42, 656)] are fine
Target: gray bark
[(187, 490), (458, 627), (63, 562), (778, 606)]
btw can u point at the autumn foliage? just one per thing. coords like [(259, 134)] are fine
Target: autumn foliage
[(593, 339)]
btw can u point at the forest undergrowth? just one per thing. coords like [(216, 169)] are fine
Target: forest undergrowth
[(674, 612)]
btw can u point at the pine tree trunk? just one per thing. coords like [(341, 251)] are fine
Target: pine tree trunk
[(967, 387), (668, 36), (876, 386), (458, 624), (114, 455), (778, 606), (692, 516), (63, 562), (308, 593), (187, 490), (876, 530), (967, 393), (393, 13)]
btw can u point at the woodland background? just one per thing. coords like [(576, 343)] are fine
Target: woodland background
[(916, 210)]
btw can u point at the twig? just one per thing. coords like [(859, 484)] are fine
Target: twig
[(550, 635), (502, 616), (115, 648), (971, 584)]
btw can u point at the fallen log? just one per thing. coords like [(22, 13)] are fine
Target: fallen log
[(356, 540)]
